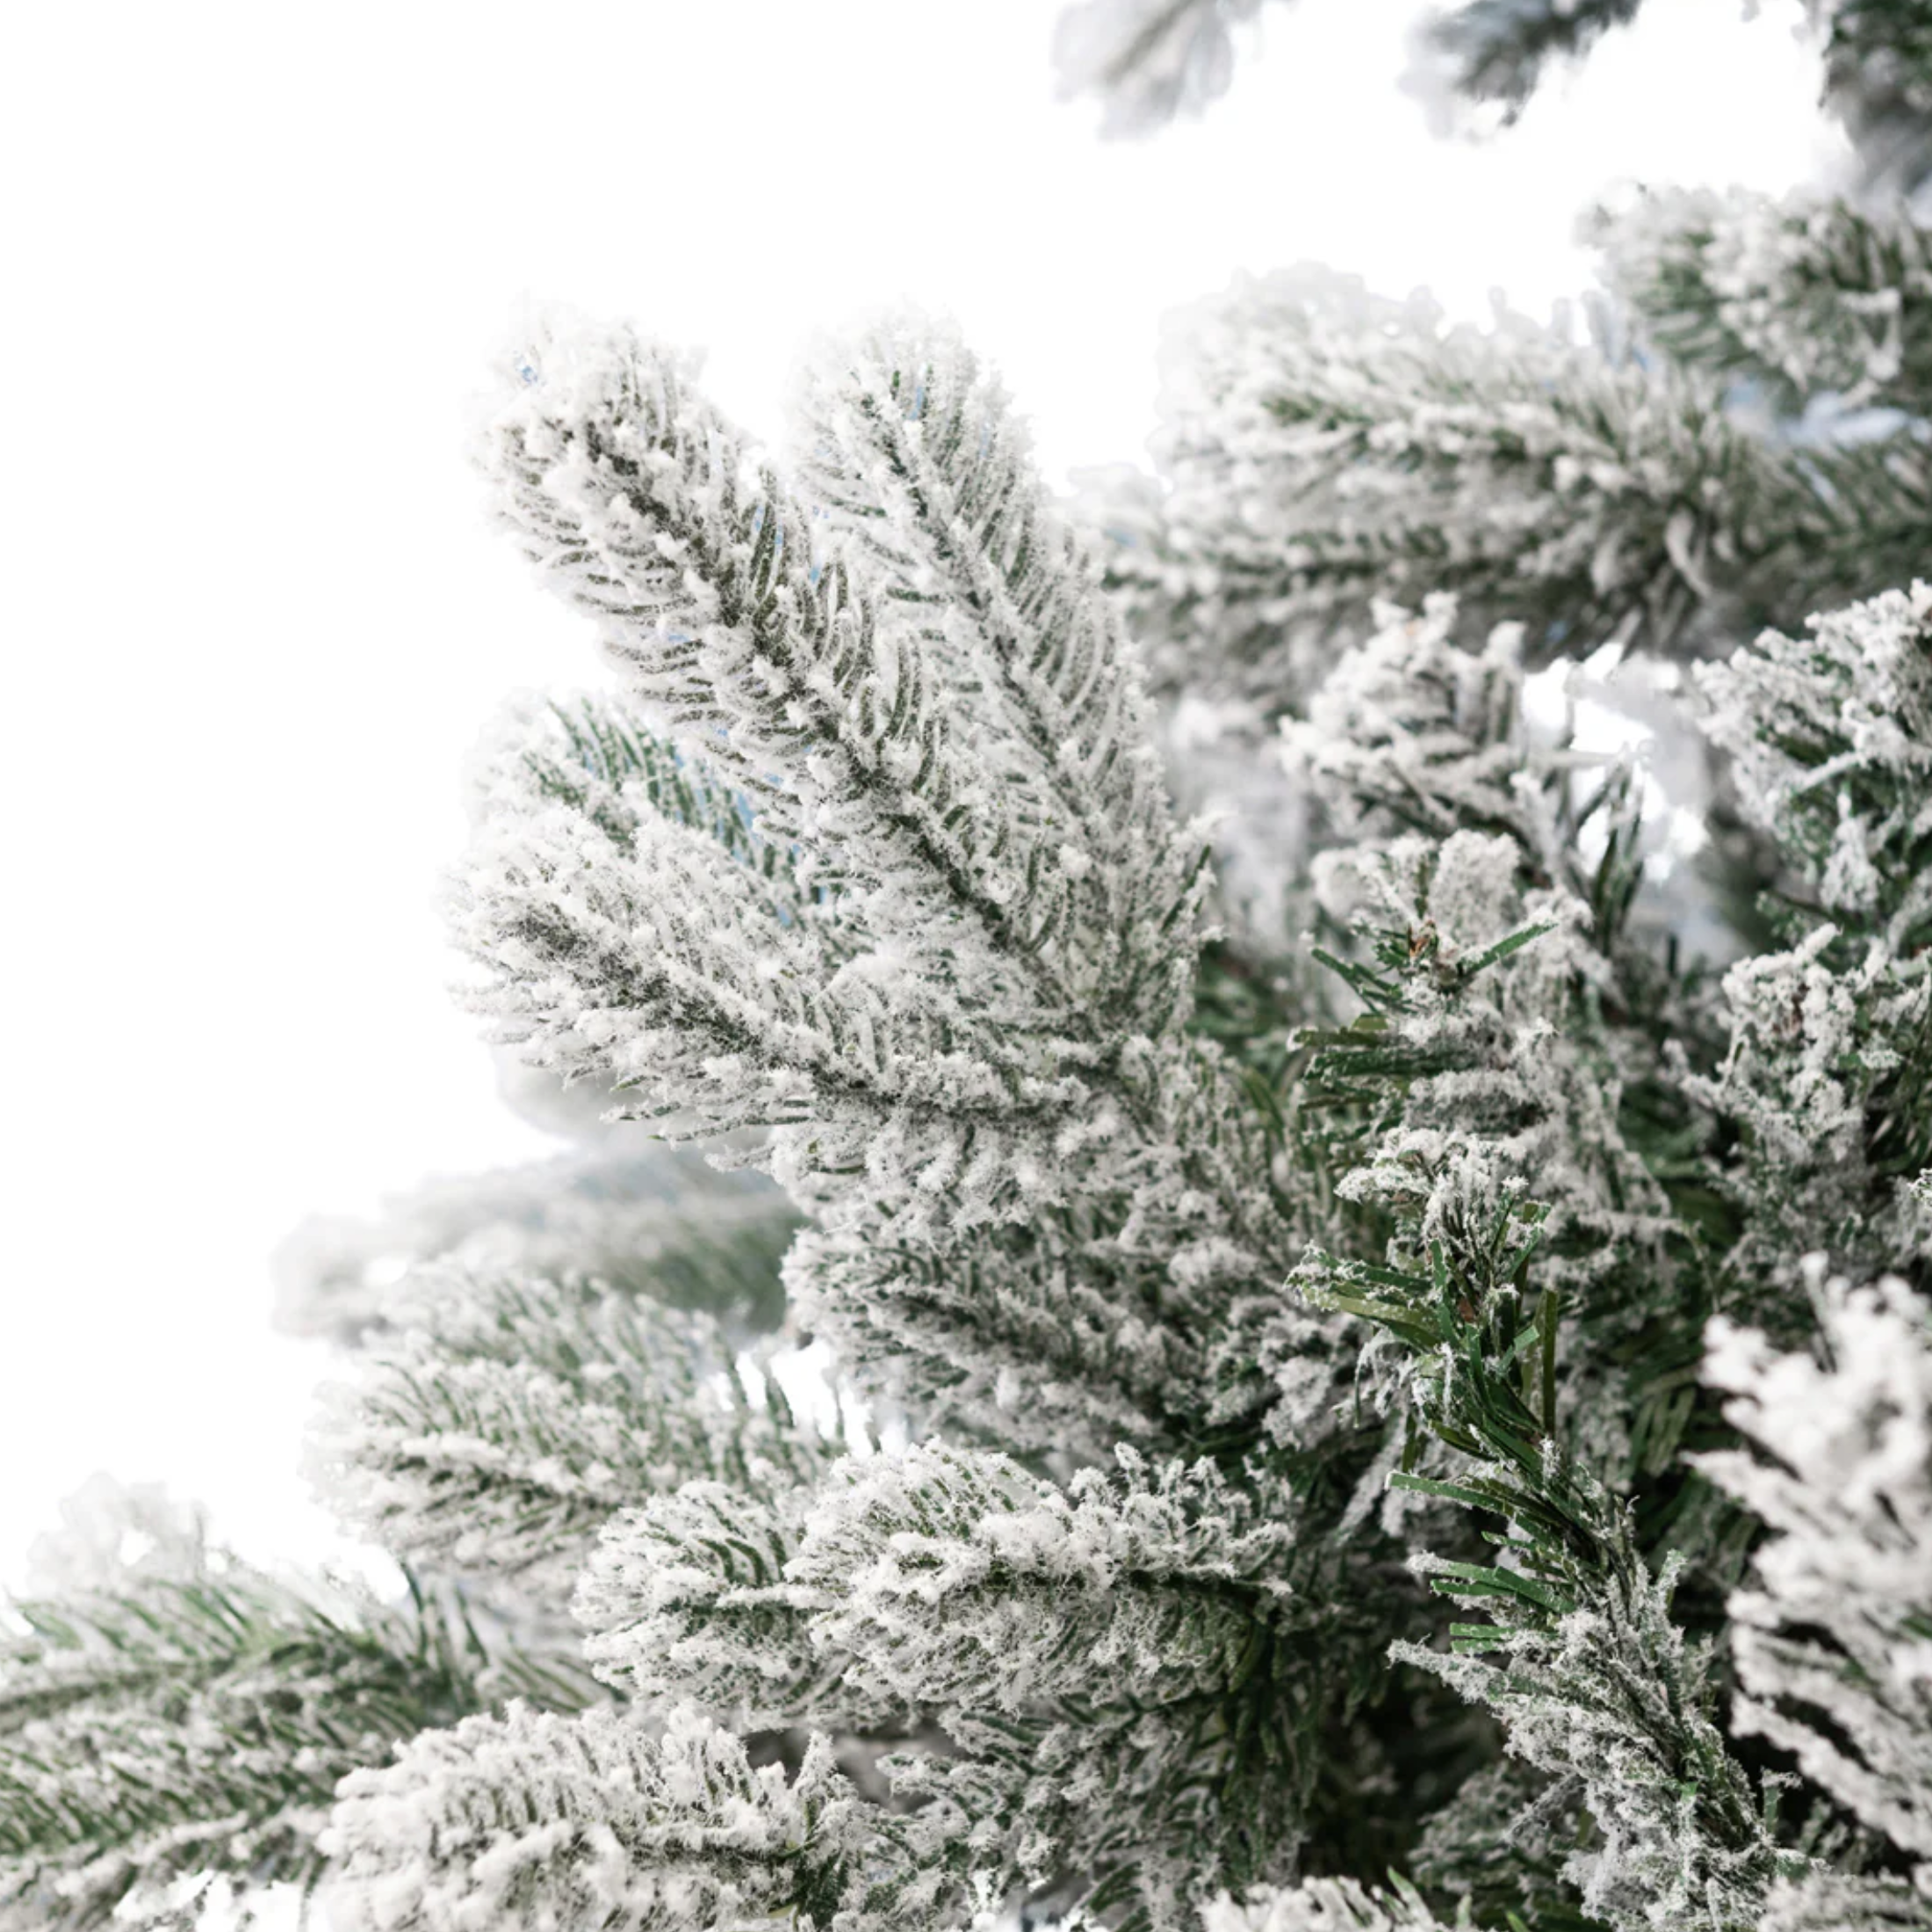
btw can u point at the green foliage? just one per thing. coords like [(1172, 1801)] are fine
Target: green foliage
[(1593, 1680)]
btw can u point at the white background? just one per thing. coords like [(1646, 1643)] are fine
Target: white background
[(258, 258)]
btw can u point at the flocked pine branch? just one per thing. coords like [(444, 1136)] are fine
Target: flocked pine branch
[(1148, 61), (623, 949), (1322, 447), (1504, 988), (1047, 1337), (1139, 1634), (1226, 1300), (1830, 738), (1827, 1901), (1576, 1651), (911, 443), (533, 1819), (1151, 60), (940, 977), (1598, 1687), (688, 1599), (1834, 1638), (1498, 52), (514, 1412), (182, 1726), (654, 1220), (1010, 1333), (1323, 1904), (1802, 296), (1130, 1645), (1831, 1039), (959, 1584), (1459, 1101), (1878, 77)]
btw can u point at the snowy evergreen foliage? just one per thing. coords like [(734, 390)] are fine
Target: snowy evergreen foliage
[(1361, 1369), (528, 1820), (1497, 51), (514, 1413), (1879, 74), (1481, 61), (1323, 447), (1803, 297), (1148, 60), (1837, 1626), (638, 1217), (195, 1715)]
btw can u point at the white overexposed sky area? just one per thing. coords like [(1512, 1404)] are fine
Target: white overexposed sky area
[(258, 261)]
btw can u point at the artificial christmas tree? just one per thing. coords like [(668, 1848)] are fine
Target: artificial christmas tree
[(1368, 1364)]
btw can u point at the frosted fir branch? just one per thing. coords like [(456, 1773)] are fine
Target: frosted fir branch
[(1500, 51), (1475, 1073), (1833, 1639), (1609, 1693), (1824, 1083), (1323, 447), (1324, 1905), (1858, 527), (514, 1412), (1146, 1810), (1148, 61), (1594, 1682), (199, 1725), (530, 1819), (642, 503), (1037, 1338), (585, 899), (1830, 1901), (1830, 1040), (956, 1582), (1100, 1320), (1514, 1015), (1805, 1044), (658, 1222), (1802, 295), (685, 1600), (1414, 735), (1592, 1679), (1410, 732), (1499, 1845), (911, 441), (1151, 1809), (980, 977), (1830, 738), (643, 964), (1879, 78), (598, 755), (1877, 68)]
